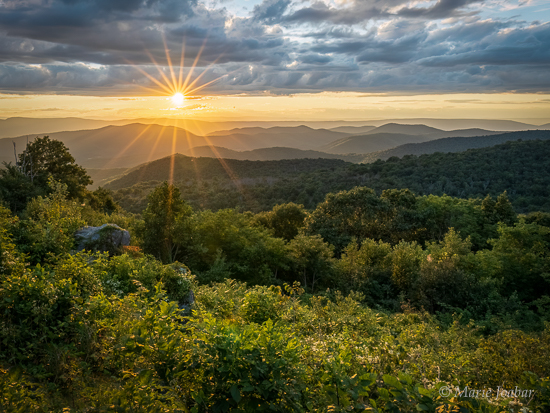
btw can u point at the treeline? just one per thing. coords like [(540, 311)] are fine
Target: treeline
[(516, 167)]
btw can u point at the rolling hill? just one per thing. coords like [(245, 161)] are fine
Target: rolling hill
[(353, 130), (372, 142), (403, 129), (267, 154), (102, 176), (181, 168), (299, 137), (13, 127), (118, 146), (453, 124), (131, 145), (518, 167), (456, 144)]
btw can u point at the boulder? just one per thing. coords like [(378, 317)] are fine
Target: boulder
[(108, 237)]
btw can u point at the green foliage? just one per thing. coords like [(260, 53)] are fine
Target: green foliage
[(36, 311), (125, 274), (312, 258), (367, 269), (284, 220), (226, 243), (358, 213), (10, 260), (424, 292), (261, 304), (17, 394), (16, 189), (48, 224), (248, 368), (102, 200), (515, 167), (523, 254), (44, 159), (164, 223)]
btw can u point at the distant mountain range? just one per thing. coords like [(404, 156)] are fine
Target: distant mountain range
[(354, 130), (299, 137), (133, 144), (118, 146), (456, 144), (19, 126), (130, 145), (393, 135)]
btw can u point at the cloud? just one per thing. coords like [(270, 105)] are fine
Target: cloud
[(281, 46)]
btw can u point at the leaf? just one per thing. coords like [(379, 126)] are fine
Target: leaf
[(145, 377), (235, 393), (384, 393), (392, 381), (424, 392)]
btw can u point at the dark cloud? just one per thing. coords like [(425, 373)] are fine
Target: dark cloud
[(270, 11), (363, 10), (510, 47), (316, 59), (442, 9)]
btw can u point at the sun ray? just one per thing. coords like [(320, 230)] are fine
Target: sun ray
[(178, 88), (232, 175), (123, 151), (193, 66), (173, 152), (180, 78), (172, 91), (188, 92), (201, 75), (169, 60), (154, 80)]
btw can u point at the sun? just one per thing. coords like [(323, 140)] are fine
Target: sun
[(178, 98)]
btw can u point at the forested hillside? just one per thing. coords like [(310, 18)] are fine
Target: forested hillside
[(517, 167), (457, 144), (367, 301), (267, 154), (183, 168)]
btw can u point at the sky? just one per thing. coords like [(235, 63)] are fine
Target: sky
[(276, 59)]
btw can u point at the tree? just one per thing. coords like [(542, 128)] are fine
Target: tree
[(163, 220), (102, 200), (284, 220), (358, 213), (16, 189), (44, 158), (312, 257)]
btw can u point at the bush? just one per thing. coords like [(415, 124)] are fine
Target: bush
[(123, 274)]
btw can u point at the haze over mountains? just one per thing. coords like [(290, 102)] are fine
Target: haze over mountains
[(118, 147), (19, 126), (392, 135)]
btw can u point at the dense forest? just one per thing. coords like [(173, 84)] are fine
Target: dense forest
[(518, 167), (382, 296), (459, 143)]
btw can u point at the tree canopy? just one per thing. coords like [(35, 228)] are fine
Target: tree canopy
[(44, 158)]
